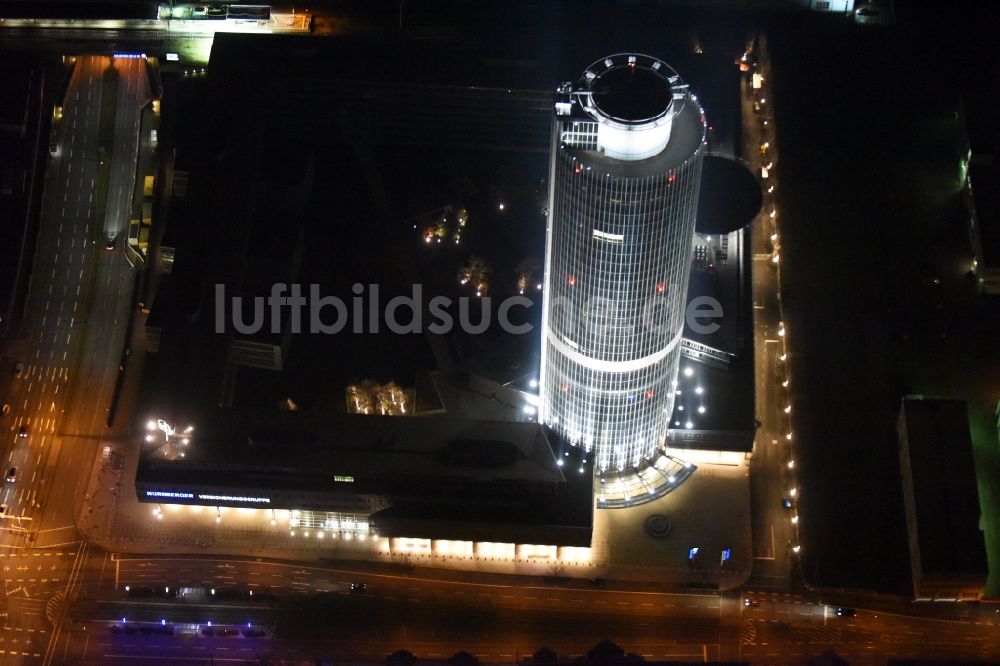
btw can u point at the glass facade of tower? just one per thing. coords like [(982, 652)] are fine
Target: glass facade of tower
[(625, 170)]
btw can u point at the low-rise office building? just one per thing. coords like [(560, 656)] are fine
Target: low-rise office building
[(947, 549), (413, 477)]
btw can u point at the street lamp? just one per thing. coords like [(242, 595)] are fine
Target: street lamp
[(165, 427)]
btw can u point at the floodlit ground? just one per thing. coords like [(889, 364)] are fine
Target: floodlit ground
[(709, 511)]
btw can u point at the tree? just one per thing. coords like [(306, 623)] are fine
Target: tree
[(401, 658), (526, 271), (463, 658), (476, 273), (544, 655), (605, 652)]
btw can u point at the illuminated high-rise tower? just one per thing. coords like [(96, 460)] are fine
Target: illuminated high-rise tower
[(627, 147)]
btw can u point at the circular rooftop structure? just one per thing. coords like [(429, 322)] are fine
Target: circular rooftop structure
[(631, 93), (634, 98)]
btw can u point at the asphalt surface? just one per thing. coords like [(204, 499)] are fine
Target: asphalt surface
[(435, 617), (68, 347), (771, 478)]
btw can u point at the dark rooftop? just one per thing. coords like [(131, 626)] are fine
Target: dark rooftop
[(439, 477), (985, 178), (938, 448), (727, 391), (308, 444)]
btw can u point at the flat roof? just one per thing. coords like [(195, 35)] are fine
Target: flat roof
[(985, 178), (938, 447), (307, 445), (727, 393), (423, 477)]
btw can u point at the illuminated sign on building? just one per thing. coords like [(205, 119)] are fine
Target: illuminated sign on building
[(234, 498), (343, 479), (171, 494), (167, 493)]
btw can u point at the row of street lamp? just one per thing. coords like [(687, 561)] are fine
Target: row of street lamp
[(767, 175)]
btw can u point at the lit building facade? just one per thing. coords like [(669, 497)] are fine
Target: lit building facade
[(627, 148)]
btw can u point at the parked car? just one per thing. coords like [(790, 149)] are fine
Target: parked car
[(18, 369)]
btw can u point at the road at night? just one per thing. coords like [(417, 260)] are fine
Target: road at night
[(771, 478), (71, 341), (497, 621)]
